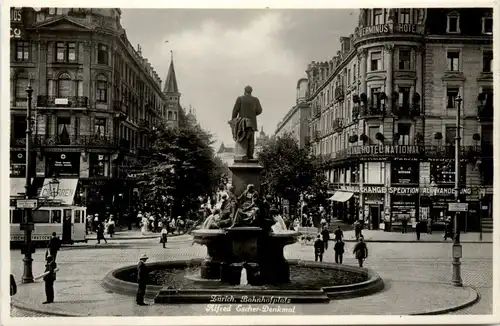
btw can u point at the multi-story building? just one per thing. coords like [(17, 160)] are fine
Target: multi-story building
[(295, 121), (384, 110), (94, 99)]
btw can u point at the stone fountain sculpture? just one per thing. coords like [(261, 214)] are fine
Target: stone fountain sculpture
[(242, 236)]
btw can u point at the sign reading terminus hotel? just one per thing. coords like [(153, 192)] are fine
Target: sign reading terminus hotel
[(390, 29), (384, 150)]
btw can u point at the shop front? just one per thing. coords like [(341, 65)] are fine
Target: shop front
[(373, 209), (344, 205)]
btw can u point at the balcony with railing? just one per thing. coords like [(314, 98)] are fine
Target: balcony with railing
[(46, 101), (75, 140), (372, 112)]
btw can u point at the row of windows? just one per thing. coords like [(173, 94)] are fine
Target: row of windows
[(453, 24), (454, 63), (404, 16), (64, 52)]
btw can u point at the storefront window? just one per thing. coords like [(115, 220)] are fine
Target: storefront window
[(374, 173), (63, 164), (98, 165), (405, 172), (354, 174), (444, 172), (17, 164), (403, 207)]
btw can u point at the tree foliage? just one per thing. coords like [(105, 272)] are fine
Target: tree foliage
[(290, 170), (179, 164)]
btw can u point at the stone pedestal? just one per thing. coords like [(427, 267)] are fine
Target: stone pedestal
[(245, 172)]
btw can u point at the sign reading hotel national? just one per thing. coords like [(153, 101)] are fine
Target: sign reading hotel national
[(385, 150), (390, 29)]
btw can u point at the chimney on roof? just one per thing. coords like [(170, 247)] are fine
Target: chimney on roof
[(139, 50)]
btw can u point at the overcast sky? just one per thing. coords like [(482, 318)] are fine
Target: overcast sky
[(218, 52)]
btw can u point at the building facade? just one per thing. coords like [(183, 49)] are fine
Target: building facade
[(94, 99), (295, 121), (384, 110)]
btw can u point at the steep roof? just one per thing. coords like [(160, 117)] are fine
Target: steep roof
[(171, 81)]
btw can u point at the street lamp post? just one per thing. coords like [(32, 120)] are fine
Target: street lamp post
[(482, 193), (457, 247), (28, 218)]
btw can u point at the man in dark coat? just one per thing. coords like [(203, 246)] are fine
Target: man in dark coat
[(247, 107), (49, 278), (404, 224), (326, 237), (339, 234), (319, 249), (142, 280), (339, 251), (54, 246), (360, 251)]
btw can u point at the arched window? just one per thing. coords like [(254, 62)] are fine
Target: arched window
[(64, 86), (101, 89), (170, 116)]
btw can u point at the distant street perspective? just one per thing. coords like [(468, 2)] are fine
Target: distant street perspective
[(372, 195)]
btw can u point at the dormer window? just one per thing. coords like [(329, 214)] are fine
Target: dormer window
[(487, 23), (453, 23)]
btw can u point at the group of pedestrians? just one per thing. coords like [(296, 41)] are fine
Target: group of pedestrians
[(321, 245)]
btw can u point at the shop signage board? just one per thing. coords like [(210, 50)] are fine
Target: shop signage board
[(404, 190), (458, 207), (390, 28), (379, 150)]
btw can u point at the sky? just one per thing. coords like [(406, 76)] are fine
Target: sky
[(217, 52)]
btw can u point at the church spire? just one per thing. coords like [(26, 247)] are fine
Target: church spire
[(171, 81)]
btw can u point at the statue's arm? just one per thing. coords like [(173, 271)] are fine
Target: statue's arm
[(236, 108), (259, 108)]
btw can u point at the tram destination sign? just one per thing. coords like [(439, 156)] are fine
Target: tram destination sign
[(26, 203)]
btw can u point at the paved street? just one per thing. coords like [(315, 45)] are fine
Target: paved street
[(416, 276)]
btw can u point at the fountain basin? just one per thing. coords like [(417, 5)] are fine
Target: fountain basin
[(260, 251), (311, 282)]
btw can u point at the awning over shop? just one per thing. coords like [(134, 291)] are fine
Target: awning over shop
[(341, 196), (67, 190), (17, 187)]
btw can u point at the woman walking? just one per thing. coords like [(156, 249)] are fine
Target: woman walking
[(163, 236)]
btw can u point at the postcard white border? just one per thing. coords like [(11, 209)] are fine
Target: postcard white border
[(216, 320)]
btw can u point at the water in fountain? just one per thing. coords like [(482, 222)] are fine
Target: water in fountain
[(279, 225), (243, 278), (208, 221)]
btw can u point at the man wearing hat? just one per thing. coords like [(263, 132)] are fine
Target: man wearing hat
[(142, 279), (49, 277)]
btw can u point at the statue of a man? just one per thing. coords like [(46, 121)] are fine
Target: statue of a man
[(244, 123)]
